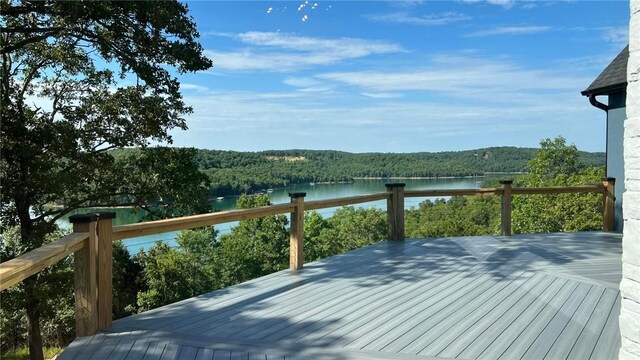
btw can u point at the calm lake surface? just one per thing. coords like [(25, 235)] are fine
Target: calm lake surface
[(281, 195)]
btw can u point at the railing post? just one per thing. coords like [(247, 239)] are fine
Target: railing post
[(84, 276), (506, 207), (93, 273), (296, 232), (608, 204), (395, 211), (105, 270)]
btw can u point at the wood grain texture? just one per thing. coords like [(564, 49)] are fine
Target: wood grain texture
[(296, 234), (352, 200), (391, 214), (505, 213), (584, 189), (190, 222), (84, 279), (452, 192), (608, 204), (20, 268), (105, 272)]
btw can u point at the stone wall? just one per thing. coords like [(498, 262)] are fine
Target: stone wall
[(630, 285)]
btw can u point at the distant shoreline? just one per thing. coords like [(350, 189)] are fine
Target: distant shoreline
[(436, 177)]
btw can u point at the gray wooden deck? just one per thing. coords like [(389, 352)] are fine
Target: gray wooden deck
[(552, 296)]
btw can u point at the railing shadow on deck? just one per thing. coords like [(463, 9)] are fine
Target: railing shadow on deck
[(93, 235)]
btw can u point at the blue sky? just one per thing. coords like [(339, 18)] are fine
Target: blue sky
[(399, 76)]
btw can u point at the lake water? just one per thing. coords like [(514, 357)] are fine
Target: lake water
[(281, 195)]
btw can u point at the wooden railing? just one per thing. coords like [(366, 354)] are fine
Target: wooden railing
[(93, 235)]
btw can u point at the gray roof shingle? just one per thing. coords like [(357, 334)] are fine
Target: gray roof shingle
[(613, 78)]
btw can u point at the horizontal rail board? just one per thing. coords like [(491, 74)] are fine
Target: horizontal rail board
[(558, 190), (20, 268), (453, 192), (190, 222), (323, 204)]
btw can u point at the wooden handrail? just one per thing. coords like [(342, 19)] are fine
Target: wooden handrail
[(452, 192), (323, 204), (25, 265), (194, 221), (558, 190)]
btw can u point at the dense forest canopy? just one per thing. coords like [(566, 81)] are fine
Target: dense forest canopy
[(234, 172)]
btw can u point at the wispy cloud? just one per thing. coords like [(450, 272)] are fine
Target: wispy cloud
[(301, 81), (426, 20), (349, 47), (193, 87), (407, 3), (281, 52), (511, 30), (617, 35), (504, 3), (464, 77), (382, 95)]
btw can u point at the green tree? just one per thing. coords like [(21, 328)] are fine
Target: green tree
[(348, 229), (174, 274), (458, 216), (128, 280), (557, 164), (554, 158), (254, 247), (79, 57), (315, 245)]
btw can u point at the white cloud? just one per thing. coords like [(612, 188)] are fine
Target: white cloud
[(351, 47), (287, 52), (382, 95), (617, 35), (504, 3), (193, 87), (464, 77), (301, 81), (511, 30), (429, 20)]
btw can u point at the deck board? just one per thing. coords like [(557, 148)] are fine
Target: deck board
[(494, 309), (609, 341), (474, 341), (551, 296), (588, 339)]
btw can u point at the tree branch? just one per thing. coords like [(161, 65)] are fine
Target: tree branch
[(29, 30), (19, 44)]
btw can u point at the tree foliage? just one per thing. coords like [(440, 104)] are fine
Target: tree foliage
[(557, 164), (254, 247), (349, 228), (457, 216), (233, 172), (79, 79), (172, 275)]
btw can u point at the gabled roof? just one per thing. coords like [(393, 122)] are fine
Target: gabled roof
[(613, 78)]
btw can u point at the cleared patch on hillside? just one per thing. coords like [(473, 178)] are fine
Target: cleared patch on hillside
[(287, 158)]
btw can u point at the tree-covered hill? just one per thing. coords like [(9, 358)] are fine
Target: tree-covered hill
[(233, 172)]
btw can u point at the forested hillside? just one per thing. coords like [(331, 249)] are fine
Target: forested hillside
[(233, 172)]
